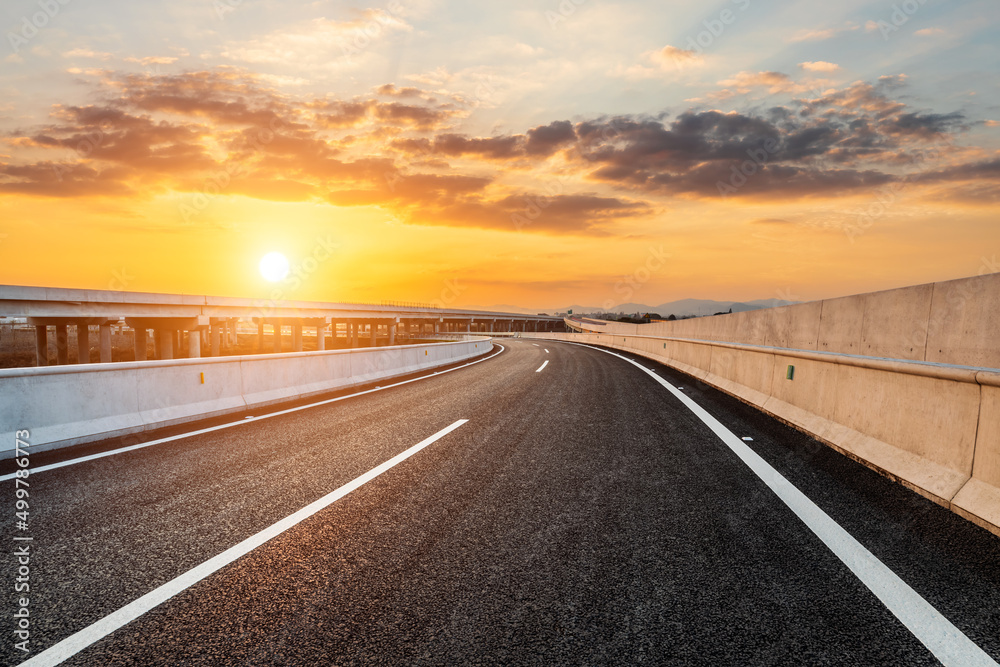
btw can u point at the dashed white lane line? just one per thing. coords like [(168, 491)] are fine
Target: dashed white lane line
[(536, 344), (77, 642), (542, 366), (245, 420), (937, 633), (546, 350)]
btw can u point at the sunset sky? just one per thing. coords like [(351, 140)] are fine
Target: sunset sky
[(538, 154)]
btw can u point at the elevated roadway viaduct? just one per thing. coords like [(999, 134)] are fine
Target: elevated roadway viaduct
[(195, 326)]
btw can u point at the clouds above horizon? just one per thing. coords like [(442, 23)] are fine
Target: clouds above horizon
[(399, 149)]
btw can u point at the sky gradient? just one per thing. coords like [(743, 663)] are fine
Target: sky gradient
[(538, 154)]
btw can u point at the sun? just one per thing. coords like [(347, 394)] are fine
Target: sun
[(273, 266)]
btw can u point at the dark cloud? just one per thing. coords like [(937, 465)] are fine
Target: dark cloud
[(337, 114), (157, 133), (59, 179), (847, 140), (927, 126), (546, 139), (983, 170), (340, 114), (528, 212), (491, 148), (391, 90), (421, 117), (537, 143), (225, 97)]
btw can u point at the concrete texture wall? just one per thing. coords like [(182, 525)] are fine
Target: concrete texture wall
[(68, 405), (950, 322), (934, 428)]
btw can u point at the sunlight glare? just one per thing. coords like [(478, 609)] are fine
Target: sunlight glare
[(274, 267)]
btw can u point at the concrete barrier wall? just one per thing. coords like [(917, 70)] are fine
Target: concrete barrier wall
[(935, 428), (950, 322), (68, 405)]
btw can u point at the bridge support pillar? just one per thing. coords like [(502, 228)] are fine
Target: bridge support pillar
[(139, 344), (104, 333), (296, 338), (82, 343), (260, 336), (41, 345), (276, 336), (321, 336), (374, 331), (62, 344), (392, 333), (165, 344), (354, 333), (194, 344), (216, 336)]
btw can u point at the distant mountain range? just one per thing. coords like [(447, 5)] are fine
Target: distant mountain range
[(680, 308)]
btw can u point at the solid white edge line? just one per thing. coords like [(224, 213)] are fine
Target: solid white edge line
[(245, 420), (928, 625), (542, 366), (80, 640)]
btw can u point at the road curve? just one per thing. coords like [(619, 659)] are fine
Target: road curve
[(580, 515)]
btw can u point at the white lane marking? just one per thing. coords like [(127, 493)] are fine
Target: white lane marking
[(746, 438), (542, 366), (536, 344), (77, 642), (181, 436), (546, 350), (937, 633)]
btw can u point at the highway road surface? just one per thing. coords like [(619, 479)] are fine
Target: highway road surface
[(550, 504)]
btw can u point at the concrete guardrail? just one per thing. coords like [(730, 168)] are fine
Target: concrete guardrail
[(68, 405)]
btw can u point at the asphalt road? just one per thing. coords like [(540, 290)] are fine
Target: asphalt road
[(581, 515)]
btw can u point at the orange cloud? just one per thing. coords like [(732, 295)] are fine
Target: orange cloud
[(821, 34), (224, 131), (819, 66), (674, 55)]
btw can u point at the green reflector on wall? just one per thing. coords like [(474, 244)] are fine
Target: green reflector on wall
[(790, 372)]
